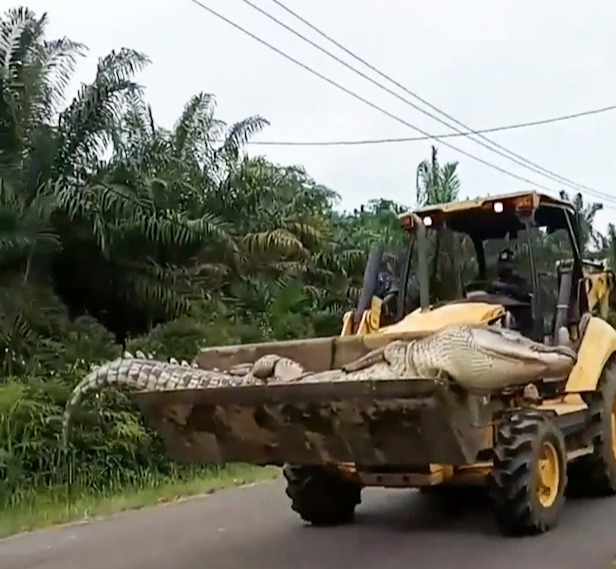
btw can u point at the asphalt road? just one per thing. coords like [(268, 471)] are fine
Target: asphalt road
[(253, 528)]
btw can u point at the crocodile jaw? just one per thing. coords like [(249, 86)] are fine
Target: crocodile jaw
[(516, 354)]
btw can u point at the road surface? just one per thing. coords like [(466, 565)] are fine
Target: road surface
[(253, 528)]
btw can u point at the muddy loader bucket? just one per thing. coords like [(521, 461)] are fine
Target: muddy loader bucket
[(401, 421)]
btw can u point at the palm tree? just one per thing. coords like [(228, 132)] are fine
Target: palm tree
[(440, 184), (590, 238), (172, 215), (33, 75), (109, 233), (435, 183), (166, 179), (610, 248)]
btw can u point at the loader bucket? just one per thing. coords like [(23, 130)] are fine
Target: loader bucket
[(393, 422)]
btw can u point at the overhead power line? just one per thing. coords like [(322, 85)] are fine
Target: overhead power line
[(360, 98), (366, 141), (502, 152), (548, 173)]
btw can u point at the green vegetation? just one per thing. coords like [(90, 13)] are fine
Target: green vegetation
[(54, 505), (117, 233)]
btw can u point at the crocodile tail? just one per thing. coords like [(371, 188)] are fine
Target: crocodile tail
[(132, 374)]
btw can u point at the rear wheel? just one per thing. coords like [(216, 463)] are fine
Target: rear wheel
[(321, 496), (596, 473), (528, 478)]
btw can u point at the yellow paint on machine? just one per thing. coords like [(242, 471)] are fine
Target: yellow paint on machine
[(598, 345), (448, 315)]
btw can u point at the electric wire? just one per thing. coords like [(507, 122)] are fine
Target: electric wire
[(520, 160), (359, 97), (362, 99), (366, 141)]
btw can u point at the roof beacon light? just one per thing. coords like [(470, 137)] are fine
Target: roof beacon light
[(498, 207)]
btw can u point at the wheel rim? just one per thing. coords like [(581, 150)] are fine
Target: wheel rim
[(614, 426), (548, 475)]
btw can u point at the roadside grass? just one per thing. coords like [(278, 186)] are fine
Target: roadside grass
[(45, 507)]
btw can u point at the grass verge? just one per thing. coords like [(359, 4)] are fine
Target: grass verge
[(51, 506)]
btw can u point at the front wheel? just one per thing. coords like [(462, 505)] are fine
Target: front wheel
[(529, 475), (320, 496)]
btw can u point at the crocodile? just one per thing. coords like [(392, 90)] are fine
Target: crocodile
[(481, 359)]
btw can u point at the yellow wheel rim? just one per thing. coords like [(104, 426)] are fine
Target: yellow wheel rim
[(548, 475), (614, 426)]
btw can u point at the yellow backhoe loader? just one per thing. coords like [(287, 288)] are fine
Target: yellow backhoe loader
[(509, 386)]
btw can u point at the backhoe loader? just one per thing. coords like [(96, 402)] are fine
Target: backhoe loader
[(487, 386)]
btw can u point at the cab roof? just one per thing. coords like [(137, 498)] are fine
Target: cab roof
[(494, 217)]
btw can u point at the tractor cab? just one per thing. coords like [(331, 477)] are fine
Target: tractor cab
[(482, 260)]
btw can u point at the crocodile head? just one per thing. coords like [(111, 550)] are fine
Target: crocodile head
[(514, 355), (504, 342)]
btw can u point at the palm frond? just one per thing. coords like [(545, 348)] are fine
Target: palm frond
[(239, 134), (278, 240), (85, 126)]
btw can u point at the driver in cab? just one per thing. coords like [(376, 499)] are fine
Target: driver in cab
[(509, 281)]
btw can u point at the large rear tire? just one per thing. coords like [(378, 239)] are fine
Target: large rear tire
[(595, 474), (529, 476), (320, 496)]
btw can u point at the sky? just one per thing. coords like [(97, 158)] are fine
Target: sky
[(485, 63)]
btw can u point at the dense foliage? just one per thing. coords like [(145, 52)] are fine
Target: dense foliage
[(116, 232)]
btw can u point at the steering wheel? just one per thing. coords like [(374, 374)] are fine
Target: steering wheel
[(507, 289), (500, 287), (477, 286)]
